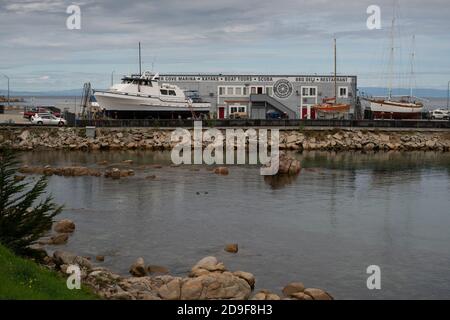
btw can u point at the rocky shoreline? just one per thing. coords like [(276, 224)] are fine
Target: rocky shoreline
[(36, 138), (208, 279)]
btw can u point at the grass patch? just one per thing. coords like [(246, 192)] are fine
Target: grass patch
[(22, 279)]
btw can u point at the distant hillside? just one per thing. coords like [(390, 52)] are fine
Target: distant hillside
[(374, 91), (425, 93)]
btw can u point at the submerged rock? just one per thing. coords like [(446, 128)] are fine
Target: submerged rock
[(137, 269), (232, 248)]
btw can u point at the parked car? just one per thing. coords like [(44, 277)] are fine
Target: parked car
[(439, 114), (47, 119), (29, 112)]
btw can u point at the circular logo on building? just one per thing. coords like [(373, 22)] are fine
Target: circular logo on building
[(282, 89)]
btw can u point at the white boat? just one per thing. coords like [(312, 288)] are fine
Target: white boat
[(145, 93), (403, 107)]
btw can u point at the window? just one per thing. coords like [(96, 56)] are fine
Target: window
[(230, 91), (343, 92), (309, 91), (221, 91), (269, 91), (238, 91), (245, 91), (241, 109), (172, 93), (253, 90), (233, 109), (164, 92)]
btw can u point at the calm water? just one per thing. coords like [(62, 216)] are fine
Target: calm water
[(343, 213)]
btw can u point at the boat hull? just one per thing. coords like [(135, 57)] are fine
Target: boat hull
[(110, 101), (395, 110)]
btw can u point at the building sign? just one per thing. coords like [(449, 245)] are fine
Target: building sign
[(252, 79), (282, 89)]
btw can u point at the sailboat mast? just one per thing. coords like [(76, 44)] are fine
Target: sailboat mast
[(391, 58), (335, 71), (140, 61), (413, 56)]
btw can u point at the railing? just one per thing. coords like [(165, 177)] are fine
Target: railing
[(168, 123)]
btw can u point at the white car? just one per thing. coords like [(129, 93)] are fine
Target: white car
[(439, 114), (48, 119)]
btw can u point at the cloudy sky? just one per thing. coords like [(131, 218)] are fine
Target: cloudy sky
[(38, 52)]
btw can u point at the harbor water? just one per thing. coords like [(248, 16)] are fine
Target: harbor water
[(344, 212)]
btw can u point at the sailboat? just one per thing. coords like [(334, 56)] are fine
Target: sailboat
[(330, 106), (404, 107)]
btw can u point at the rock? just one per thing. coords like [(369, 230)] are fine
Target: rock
[(64, 226), (128, 161), (100, 258), (59, 239), (301, 296), (247, 276), (206, 265), (286, 165), (318, 294), (123, 295), (293, 288), (138, 268), (171, 290), (232, 248), (25, 135), (150, 177), (157, 269), (113, 173), (215, 286), (66, 258), (221, 170)]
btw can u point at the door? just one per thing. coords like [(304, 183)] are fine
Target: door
[(221, 113)]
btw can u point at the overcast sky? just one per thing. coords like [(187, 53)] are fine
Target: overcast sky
[(38, 52)]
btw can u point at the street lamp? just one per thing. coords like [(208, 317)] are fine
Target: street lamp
[(8, 87)]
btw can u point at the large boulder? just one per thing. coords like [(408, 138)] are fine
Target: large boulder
[(64, 226), (68, 258), (247, 276), (215, 285)]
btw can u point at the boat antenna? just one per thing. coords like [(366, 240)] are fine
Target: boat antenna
[(335, 71), (391, 58), (140, 61)]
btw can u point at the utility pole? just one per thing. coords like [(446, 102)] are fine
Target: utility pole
[(8, 87), (112, 78), (448, 93)]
